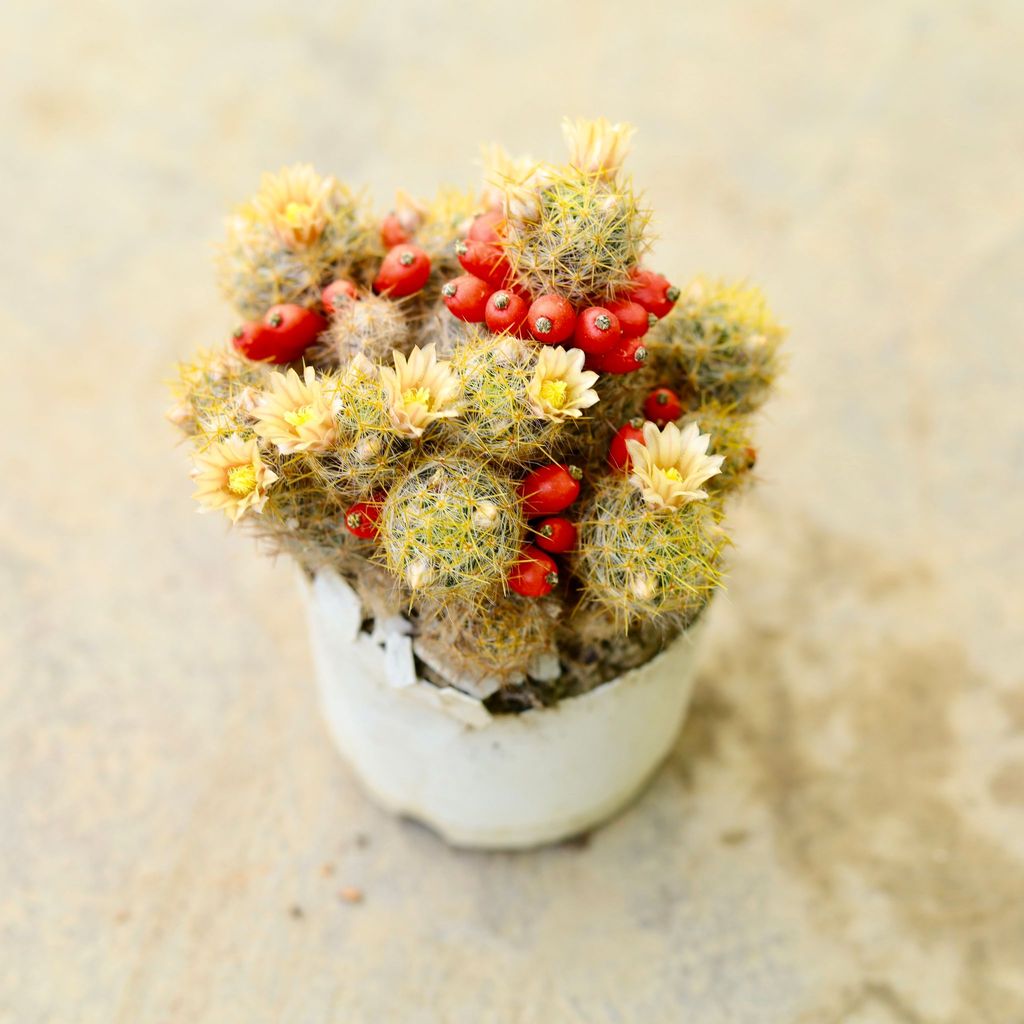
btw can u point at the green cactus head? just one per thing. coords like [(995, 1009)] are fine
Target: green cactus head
[(496, 640), (574, 233), (371, 326), (451, 529), (214, 395), (369, 452), (521, 402), (642, 563), (303, 518), (721, 342)]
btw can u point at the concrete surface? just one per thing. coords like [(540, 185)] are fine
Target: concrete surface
[(839, 835)]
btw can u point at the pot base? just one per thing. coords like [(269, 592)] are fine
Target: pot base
[(489, 781)]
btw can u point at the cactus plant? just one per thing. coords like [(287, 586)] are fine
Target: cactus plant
[(645, 564), (452, 528), (497, 644), (650, 545), (373, 327), (721, 341), (517, 400), (577, 230), (571, 234), (508, 433), (297, 233), (369, 452), (215, 395)]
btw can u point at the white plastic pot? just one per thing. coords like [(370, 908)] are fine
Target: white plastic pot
[(481, 780)]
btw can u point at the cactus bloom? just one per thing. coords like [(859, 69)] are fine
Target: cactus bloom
[(420, 390), (297, 413), (671, 464), (561, 388), (501, 171), (294, 203), (597, 147), (231, 476)]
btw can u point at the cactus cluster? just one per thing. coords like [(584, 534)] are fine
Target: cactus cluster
[(484, 412)]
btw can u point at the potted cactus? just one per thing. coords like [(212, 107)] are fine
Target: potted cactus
[(500, 448)]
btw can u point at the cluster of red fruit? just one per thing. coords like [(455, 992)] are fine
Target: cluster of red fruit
[(609, 334)]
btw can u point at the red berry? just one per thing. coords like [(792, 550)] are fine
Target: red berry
[(535, 574), (597, 330), (627, 356), (550, 489), (246, 337), (466, 297), (556, 534), (551, 319), (484, 260), (652, 291), (663, 406), (361, 519), (618, 453), (750, 454), (506, 311), (632, 317), (286, 332), (337, 293), (404, 271), (393, 231), (487, 227)]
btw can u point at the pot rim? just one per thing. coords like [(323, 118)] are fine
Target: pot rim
[(424, 686)]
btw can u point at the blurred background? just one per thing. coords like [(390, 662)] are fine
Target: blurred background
[(839, 835)]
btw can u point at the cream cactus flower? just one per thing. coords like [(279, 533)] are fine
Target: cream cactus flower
[(502, 171), (420, 390), (561, 388), (671, 464), (522, 202), (294, 203), (597, 147), (296, 413), (231, 476)]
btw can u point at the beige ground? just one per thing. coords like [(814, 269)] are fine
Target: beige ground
[(839, 836)]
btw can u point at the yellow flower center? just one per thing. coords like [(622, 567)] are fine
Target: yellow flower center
[(296, 214), (242, 479), (417, 396), (673, 474), (299, 417), (554, 392)]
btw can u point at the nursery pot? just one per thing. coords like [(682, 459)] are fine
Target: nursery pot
[(502, 781)]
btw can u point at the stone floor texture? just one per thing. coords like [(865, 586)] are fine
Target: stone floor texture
[(838, 837)]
